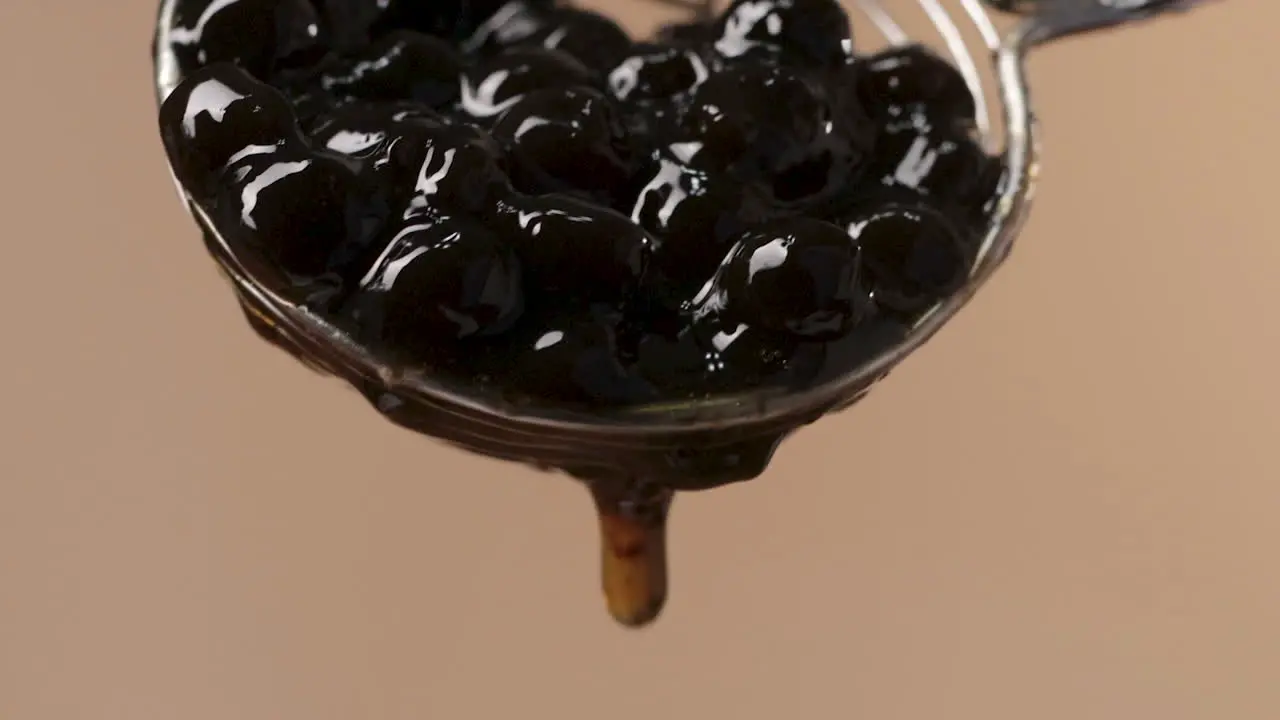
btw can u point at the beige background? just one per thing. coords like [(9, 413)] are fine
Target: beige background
[(1064, 508)]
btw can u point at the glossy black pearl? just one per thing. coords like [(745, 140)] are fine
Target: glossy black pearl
[(401, 66), (496, 84), (455, 20), (913, 255), (655, 84), (573, 357), (755, 119), (799, 276), (595, 40), (942, 164), (360, 129), (438, 282), (458, 170), (390, 138), (516, 23), (296, 207), (566, 140), (913, 79), (426, 165), (849, 111), (694, 215), (807, 32), (572, 248), (776, 129), (655, 72), (218, 113), (263, 36)]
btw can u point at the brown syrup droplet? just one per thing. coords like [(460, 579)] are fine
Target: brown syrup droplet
[(633, 552)]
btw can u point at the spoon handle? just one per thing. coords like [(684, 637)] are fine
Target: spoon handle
[(1053, 19)]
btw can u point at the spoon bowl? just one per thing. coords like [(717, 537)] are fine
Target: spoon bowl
[(634, 459)]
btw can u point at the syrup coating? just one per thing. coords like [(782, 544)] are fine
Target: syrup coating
[(568, 140), (574, 248), (914, 80), (572, 356), (805, 32), (494, 85), (798, 276), (520, 194), (402, 65), (913, 256), (438, 281), (591, 38)]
